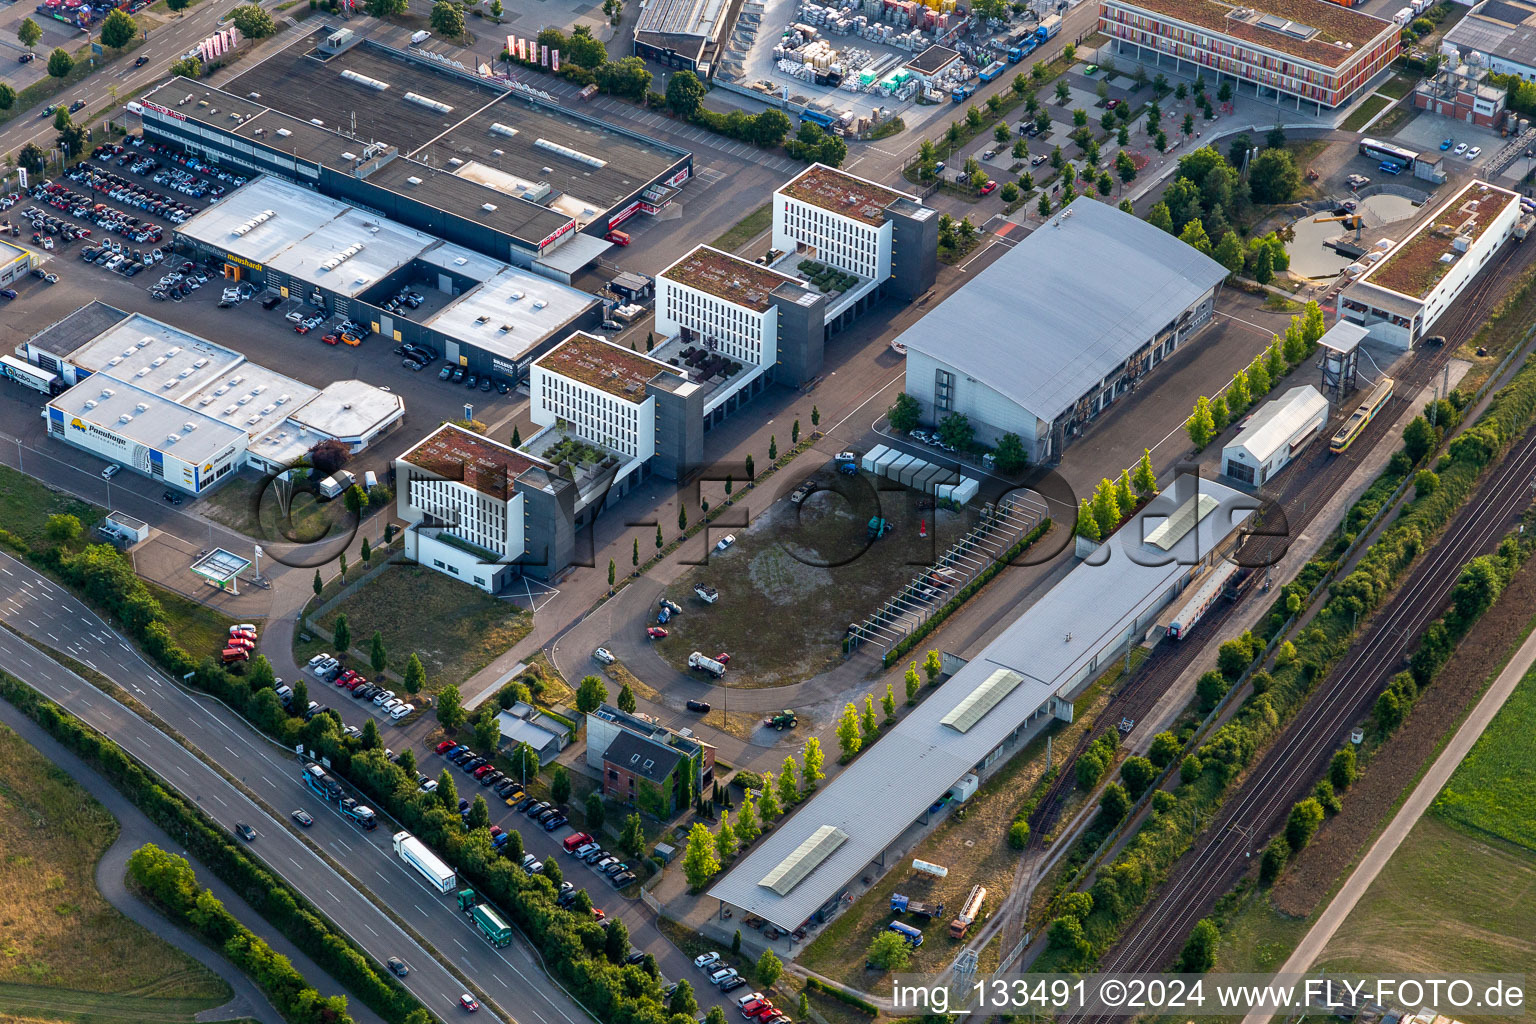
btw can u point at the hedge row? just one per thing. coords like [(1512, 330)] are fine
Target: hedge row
[(966, 592), (842, 995), (1123, 887), (172, 886), (289, 912)]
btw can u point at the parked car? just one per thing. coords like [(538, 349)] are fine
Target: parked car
[(603, 655), (705, 960)]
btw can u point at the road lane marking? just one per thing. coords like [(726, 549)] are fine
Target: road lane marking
[(178, 768), (333, 896), (423, 913), (461, 945)]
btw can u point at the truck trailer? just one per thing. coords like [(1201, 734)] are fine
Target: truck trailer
[(1048, 28), (902, 905), (969, 912), (415, 853), (992, 70), (706, 664)]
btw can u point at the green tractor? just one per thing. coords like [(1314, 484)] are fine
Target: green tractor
[(781, 720)]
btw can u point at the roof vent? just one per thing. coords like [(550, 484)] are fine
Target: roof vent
[(488, 207), (413, 180), (428, 102)]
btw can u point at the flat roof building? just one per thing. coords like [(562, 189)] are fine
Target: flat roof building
[(177, 407), (1270, 438), (1042, 341), (1403, 295), (1029, 673), (1302, 50), (683, 33), (352, 262), (1503, 32), (482, 511), (429, 144)]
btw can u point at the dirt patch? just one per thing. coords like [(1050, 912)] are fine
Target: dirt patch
[(1396, 763), (794, 580)]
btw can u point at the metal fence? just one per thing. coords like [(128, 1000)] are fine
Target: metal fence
[(1001, 527)]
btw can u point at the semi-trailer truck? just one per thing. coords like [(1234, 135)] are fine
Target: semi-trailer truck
[(491, 924), (415, 853), (328, 789)]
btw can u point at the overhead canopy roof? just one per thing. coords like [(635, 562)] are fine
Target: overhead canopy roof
[(1048, 648), (1046, 322)]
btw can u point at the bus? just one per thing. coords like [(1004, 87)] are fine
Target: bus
[(27, 375), (910, 935), (1388, 153), (1362, 416)]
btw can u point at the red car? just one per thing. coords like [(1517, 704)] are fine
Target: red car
[(752, 1007), (579, 839), (331, 339), (301, 328), (353, 684), (723, 658), (484, 769), (445, 746), (597, 915), (989, 187), (468, 1002), (656, 633), (346, 677)]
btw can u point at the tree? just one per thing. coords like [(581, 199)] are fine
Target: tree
[(682, 1001), (627, 700), (1342, 771), (1087, 526), (632, 838), (1201, 425), (716, 1015), (682, 517), (450, 708), (1273, 176), (1229, 252), (725, 838), (118, 30), (1106, 508), (1165, 747), (1303, 822), (773, 448), (479, 814), (1010, 455), (659, 541), (447, 792), (341, 566), (1275, 137), (684, 93), (904, 413), (1114, 803), (888, 702), (1063, 92), (1144, 479), (447, 20), (63, 528), (60, 63), (1199, 954), (868, 727), (590, 693), (848, 739), (616, 942), (956, 431), (1220, 413), (1123, 496), (342, 634), (1194, 236), (811, 761), (496, 9), (1138, 773), (300, 696), (1259, 381), (769, 968), (1419, 439), (29, 32), (378, 657), (1160, 141), (252, 21), (415, 675), (888, 952), (747, 826), (1160, 217), (1044, 206), (560, 784), (789, 788), (366, 553), (385, 8)]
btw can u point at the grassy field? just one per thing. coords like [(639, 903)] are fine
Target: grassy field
[(456, 629), (241, 505), (1493, 791), (65, 953), (26, 504), (198, 628), (805, 574), (977, 846), (746, 229), (1372, 106)]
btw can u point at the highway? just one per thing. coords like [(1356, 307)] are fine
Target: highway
[(1300, 754), (511, 978)]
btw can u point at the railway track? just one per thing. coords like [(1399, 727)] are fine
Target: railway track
[(1305, 492), (1302, 751)]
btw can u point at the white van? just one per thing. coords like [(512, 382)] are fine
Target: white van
[(421, 37), (370, 481), (329, 488)]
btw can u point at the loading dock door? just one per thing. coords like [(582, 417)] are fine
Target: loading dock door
[(386, 327), (451, 351), (445, 284)]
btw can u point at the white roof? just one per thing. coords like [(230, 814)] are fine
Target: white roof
[(1050, 648), (349, 410), (532, 307), (251, 397), (369, 247), (143, 417), (155, 357), (1284, 421)]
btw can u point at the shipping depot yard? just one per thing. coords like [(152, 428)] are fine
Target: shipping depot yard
[(659, 512)]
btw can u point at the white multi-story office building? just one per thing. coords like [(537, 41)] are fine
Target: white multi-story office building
[(837, 218), (482, 511), (726, 299)]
